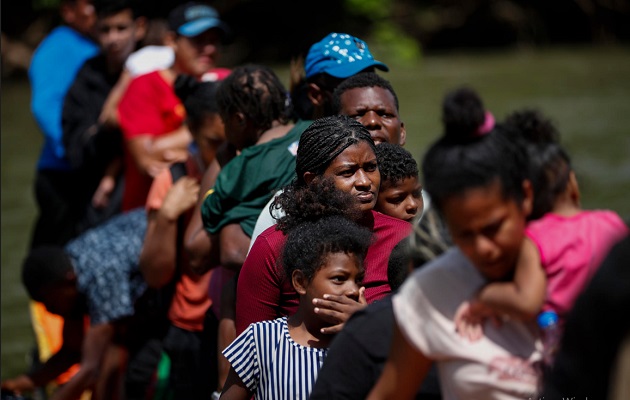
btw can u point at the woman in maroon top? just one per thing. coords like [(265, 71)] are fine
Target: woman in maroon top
[(335, 154)]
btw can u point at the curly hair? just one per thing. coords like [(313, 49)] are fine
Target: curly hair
[(395, 163), (311, 202), (549, 163), (309, 244)]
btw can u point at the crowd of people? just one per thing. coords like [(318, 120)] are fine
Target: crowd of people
[(207, 232)]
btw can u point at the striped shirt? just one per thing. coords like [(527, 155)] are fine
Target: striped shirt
[(271, 364)]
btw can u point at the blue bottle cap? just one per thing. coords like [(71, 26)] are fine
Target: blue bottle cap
[(547, 318)]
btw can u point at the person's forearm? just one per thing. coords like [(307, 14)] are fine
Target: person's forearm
[(57, 364), (506, 298), (84, 379), (234, 246), (178, 139), (158, 256)]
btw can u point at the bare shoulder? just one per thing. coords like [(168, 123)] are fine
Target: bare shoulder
[(274, 133)]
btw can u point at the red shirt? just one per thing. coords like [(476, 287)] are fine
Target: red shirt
[(149, 107), (262, 293)]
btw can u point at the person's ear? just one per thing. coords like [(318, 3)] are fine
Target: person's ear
[(141, 28), (528, 197), (403, 134), (315, 94), (241, 119), (299, 282), (170, 39), (308, 177), (574, 188)]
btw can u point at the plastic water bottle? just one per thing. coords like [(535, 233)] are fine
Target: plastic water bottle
[(548, 323)]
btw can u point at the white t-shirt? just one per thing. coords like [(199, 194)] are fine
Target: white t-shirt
[(148, 59), (501, 365)]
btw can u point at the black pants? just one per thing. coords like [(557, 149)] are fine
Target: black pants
[(194, 365)]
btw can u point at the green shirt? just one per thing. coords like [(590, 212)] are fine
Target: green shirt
[(247, 182)]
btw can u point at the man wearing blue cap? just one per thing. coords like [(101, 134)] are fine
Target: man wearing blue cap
[(331, 60), (328, 62), (151, 116)]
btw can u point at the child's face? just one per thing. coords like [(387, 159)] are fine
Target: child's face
[(402, 199), (488, 228), (341, 275)]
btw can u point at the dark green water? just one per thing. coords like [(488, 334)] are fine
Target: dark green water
[(586, 92)]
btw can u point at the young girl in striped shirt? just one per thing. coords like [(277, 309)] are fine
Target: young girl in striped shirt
[(280, 359)]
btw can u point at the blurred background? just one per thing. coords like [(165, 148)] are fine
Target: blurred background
[(568, 58)]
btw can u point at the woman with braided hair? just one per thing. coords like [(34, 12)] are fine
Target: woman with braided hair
[(337, 173)]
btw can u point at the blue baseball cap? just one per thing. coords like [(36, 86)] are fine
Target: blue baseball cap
[(192, 19), (340, 55)]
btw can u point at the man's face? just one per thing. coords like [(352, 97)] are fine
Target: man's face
[(79, 15), (196, 55), (375, 108), (118, 34)]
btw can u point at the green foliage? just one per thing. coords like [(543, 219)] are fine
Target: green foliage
[(45, 4), (392, 43), (372, 9)]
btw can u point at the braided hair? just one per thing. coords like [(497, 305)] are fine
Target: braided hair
[(257, 92), (319, 145), (324, 140), (361, 80)]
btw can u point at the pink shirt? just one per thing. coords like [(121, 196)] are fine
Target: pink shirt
[(571, 250)]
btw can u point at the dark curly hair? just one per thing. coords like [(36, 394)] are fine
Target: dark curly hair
[(361, 80), (549, 164), (395, 163), (309, 244), (311, 202)]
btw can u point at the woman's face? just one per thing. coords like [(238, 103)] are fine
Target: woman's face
[(355, 171), (488, 228)]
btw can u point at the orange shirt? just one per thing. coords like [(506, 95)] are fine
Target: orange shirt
[(191, 300)]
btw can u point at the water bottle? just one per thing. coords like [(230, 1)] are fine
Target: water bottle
[(550, 328)]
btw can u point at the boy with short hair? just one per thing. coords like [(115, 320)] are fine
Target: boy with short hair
[(400, 194)]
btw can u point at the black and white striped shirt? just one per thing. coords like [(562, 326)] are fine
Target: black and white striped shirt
[(271, 364)]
